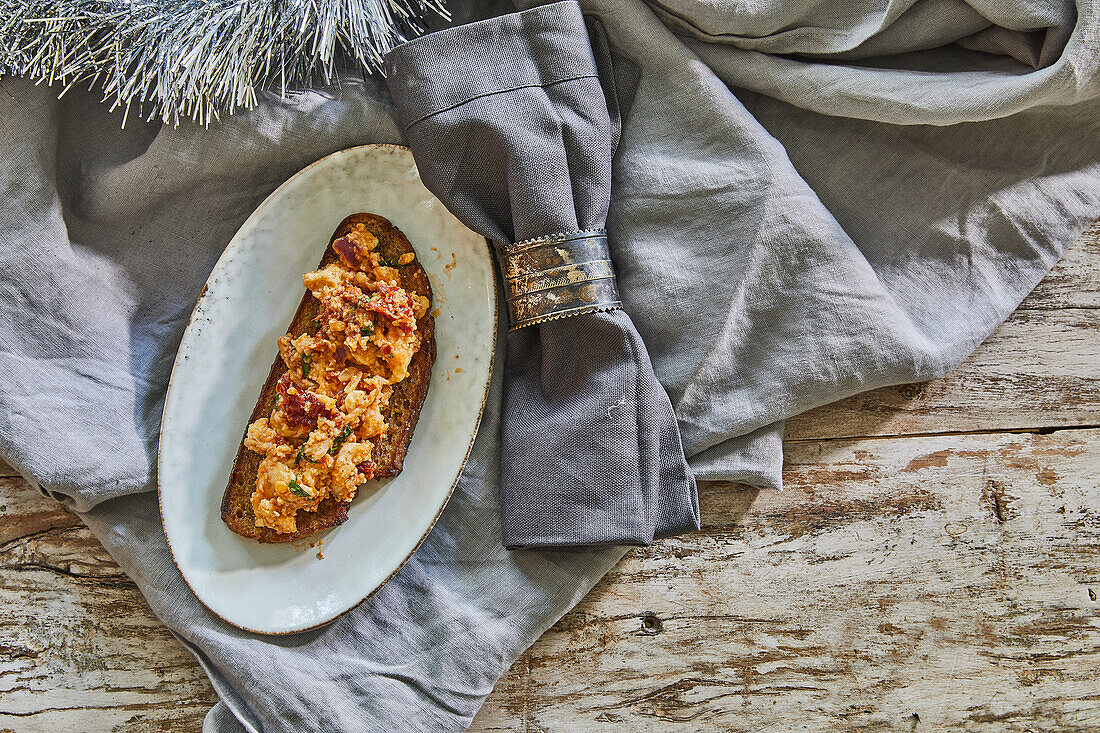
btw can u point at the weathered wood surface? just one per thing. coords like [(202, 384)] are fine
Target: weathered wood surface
[(933, 565), (945, 580), (1041, 368)]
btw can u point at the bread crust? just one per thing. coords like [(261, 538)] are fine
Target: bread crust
[(401, 414)]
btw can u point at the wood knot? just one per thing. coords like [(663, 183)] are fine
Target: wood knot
[(651, 624), (998, 501)]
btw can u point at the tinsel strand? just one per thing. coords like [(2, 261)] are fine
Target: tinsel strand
[(199, 59)]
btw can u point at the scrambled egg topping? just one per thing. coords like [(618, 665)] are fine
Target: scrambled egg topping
[(318, 441)]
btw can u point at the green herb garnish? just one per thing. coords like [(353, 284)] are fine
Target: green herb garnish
[(385, 261), (316, 322), (307, 362), (302, 454), (297, 490), (339, 440), (367, 330)]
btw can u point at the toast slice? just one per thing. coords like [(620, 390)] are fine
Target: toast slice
[(401, 413)]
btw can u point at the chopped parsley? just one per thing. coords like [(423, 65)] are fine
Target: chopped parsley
[(297, 490), (386, 262), (367, 330), (339, 440), (316, 322), (307, 362)]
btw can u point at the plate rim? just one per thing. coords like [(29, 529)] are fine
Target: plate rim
[(494, 308)]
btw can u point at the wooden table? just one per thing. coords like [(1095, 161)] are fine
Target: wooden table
[(934, 564)]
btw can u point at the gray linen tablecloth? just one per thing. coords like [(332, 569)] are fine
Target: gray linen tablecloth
[(809, 200)]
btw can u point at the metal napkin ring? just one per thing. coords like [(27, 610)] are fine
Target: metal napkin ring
[(558, 276)]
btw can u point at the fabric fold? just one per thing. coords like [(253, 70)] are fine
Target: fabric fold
[(514, 128)]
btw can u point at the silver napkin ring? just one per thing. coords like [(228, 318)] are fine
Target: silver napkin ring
[(558, 276)]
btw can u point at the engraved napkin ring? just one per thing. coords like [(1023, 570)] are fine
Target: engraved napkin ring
[(558, 276)]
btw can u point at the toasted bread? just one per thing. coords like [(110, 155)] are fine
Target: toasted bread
[(401, 413)]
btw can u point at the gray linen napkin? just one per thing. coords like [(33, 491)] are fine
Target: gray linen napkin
[(512, 130), (839, 247)]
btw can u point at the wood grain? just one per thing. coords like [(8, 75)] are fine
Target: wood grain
[(79, 648), (948, 581), (934, 564)]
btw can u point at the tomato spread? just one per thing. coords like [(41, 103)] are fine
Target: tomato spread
[(319, 439)]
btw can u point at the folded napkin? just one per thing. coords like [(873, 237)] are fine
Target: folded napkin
[(514, 123)]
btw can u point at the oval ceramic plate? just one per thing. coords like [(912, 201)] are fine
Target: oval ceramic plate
[(224, 359)]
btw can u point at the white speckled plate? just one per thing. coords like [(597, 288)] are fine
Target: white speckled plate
[(224, 359)]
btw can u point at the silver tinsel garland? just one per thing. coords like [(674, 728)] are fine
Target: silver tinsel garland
[(198, 59)]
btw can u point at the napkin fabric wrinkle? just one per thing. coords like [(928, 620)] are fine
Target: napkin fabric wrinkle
[(590, 448), (806, 203)]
